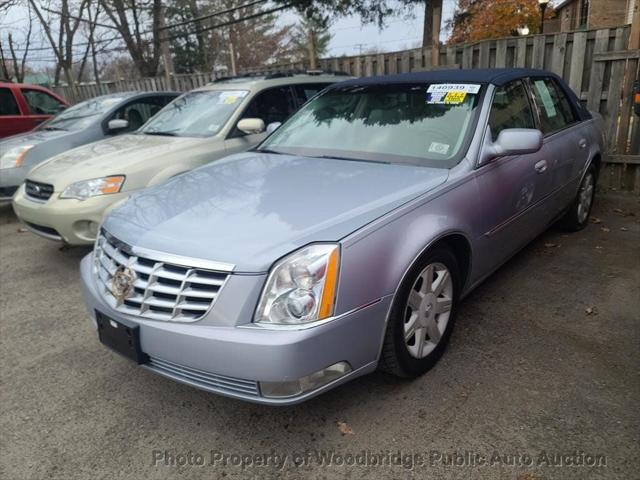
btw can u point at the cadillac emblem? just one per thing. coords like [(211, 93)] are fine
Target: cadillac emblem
[(122, 283)]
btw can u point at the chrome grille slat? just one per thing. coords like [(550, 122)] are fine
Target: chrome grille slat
[(205, 379), (162, 291)]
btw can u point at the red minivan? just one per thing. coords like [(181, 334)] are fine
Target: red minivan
[(24, 107)]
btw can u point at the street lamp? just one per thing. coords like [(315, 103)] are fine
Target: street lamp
[(543, 6)]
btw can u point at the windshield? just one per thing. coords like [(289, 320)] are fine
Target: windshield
[(419, 124), (196, 114), (82, 115)]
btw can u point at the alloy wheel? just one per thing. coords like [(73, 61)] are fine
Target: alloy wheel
[(428, 310), (585, 197)]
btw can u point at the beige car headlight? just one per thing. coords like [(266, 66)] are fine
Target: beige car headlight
[(14, 157), (301, 288), (94, 187)]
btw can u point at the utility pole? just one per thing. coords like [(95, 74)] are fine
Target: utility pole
[(312, 49), (165, 50), (232, 55), (431, 32)]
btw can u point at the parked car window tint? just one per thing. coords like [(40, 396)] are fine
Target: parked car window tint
[(137, 113), (554, 107), (510, 109), (389, 123), (308, 90), (8, 105), (200, 113), (83, 114), (41, 103), (273, 105)]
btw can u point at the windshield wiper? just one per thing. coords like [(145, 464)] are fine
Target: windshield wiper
[(160, 133), (53, 128), (266, 150), (337, 157)]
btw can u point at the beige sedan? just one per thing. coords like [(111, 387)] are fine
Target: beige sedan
[(66, 197)]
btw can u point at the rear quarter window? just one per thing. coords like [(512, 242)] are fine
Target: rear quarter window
[(8, 104)]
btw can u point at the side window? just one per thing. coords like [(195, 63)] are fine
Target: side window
[(306, 91), (41, 103), (554, 107), (510, 109), (138, 112), (273, 105), (8, 105)]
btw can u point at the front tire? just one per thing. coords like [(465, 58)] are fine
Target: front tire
[(577, 216), (422, 316)]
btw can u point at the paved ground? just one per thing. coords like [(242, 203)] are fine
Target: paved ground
[(544, 362)]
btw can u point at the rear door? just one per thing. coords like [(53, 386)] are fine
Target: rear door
[(12, 121), (511, 190), (42, 106), (271, 105), (563, 137)]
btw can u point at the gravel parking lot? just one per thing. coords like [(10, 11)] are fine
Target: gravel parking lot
[(543, 362)]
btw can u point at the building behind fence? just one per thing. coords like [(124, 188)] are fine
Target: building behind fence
[(597, 64)]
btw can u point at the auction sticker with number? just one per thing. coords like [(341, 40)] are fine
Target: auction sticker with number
[(454, 87)]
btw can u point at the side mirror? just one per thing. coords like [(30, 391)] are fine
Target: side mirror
[(251, 126), (117, 124), (511, 141), (272, 127)]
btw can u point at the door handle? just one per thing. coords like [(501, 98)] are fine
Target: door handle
[(541, 166), (582, 143)]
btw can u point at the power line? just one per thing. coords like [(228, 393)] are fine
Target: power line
[(180, 35), (145, 32)]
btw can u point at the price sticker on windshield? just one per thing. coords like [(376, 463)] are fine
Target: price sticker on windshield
[(455, 98)]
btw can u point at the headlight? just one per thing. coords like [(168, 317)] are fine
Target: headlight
[(14, 157), (91, 188), (301, 288)]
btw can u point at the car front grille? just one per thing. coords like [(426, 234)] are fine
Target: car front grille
[(205, 380), (160, 290), (7, 192), (37, 190)]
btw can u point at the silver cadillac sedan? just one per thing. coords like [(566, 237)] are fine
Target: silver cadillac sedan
[(345, 241)]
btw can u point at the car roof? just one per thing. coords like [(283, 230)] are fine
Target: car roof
[(260, 82), (22, 85), (496, 76)]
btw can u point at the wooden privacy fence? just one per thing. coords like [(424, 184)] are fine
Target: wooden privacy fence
[(597, 64)]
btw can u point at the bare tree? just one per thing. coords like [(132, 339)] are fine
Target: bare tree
[(68, 26), (130, 18), (19, 65)]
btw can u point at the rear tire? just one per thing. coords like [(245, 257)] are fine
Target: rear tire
[(577, 217), (422, 315)]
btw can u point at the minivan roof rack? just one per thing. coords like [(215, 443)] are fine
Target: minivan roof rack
[(269, 75)]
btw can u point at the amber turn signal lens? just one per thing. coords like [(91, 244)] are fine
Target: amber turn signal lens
[(112, 184), (330, 283)]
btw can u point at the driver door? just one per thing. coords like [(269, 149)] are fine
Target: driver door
[(512, 190)]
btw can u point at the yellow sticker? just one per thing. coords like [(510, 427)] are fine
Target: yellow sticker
[(230, 100), (455, 97)]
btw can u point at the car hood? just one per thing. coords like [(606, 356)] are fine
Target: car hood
[(113, 156), (251, 209), (30, 138)]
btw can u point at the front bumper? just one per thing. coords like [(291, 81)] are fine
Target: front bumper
[(72, 221), (10, 179), (232, 360)]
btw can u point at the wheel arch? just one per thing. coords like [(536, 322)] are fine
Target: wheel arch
[(456, 241)]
